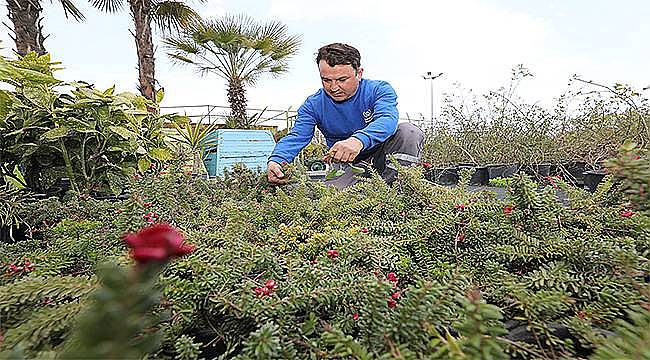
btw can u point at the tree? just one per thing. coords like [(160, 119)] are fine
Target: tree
[(25, 16), (167, 15), (237, 49)]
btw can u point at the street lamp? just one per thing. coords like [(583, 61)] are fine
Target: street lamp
[(431, 77)]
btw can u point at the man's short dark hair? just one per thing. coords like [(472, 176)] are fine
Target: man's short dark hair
[(339, 54)]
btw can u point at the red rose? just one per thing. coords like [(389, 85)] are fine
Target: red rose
[(364, 230), (391, 277), (626, 213), (147, 204), (391, 303), (265, 191), (355, 316), (508, 210), (158, 242), (581, 315), (426, 165), (460, 237), (396, 295), (460, 207), (332, 254)]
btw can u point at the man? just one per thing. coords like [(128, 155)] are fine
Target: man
[(358, 118)]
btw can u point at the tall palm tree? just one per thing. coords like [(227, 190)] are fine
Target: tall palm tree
[(167, 15), (25, 15), (237, 49)]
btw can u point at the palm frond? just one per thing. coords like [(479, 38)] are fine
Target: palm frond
[(111, 6), (236, 47), (174, 16), (71, 9)]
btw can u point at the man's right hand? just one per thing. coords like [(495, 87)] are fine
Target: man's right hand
[(275, 174)]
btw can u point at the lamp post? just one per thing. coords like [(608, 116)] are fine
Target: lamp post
[(431, 77)]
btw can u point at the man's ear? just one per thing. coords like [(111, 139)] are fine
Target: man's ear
[(359, 73)]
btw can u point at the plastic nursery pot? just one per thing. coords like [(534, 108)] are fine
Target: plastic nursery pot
[(501, 170), (538, 171), (592, 178), (446, 176), (10, 234), (480, 175), (573, 172)]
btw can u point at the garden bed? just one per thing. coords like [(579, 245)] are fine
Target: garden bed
[(303, 271)]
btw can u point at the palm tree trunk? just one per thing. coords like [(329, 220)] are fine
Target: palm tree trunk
[(237, 100), (141, 12), (26, 18)]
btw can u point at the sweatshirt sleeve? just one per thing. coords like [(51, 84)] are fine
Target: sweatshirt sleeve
[(300, 135), (385, 117)]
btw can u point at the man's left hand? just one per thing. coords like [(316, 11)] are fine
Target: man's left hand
[(344, 151)]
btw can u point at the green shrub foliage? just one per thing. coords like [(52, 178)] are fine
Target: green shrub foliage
[(302, 271)]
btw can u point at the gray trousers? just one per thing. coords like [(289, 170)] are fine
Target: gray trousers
[(405, 146)]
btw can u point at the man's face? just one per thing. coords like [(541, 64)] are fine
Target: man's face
[(340, 81)]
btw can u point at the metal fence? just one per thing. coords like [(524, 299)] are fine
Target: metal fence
[(267, 117)]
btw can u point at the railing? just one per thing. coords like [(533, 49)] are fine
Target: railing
[(269, 117)]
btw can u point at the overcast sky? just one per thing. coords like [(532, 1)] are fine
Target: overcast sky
[(475, 43)]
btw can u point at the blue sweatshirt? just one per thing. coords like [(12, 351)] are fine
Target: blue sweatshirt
[(370, 115)]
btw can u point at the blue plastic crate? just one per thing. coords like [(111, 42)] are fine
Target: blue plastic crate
[(230, 146)]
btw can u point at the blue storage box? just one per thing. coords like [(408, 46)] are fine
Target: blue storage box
[(230, 146)]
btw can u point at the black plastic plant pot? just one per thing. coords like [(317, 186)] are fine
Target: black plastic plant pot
[(538, 171), (430, 174), (573, 172), (502, 170), (446, 176), (11, 234), (480, 174), (592, 178)]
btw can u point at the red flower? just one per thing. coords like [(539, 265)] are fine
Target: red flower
[(150, 217), (158, 242), (355, 316), (258, 291), (147, 204), (508, 210), (391, 303), (13, 269), (626, 213), (29, 266), (270, 284), (364, 230), (396, 295), (265, 191), (460, 207), (332, 254), (551, 180), (426, 165), (460, 237), (392, 277), (581, 315), (314, 262)]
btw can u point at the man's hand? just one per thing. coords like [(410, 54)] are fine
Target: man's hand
[(275, 174), (344, 151)]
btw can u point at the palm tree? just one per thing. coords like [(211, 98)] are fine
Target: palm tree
[(167, 15), (25, 15), (237, 49)]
